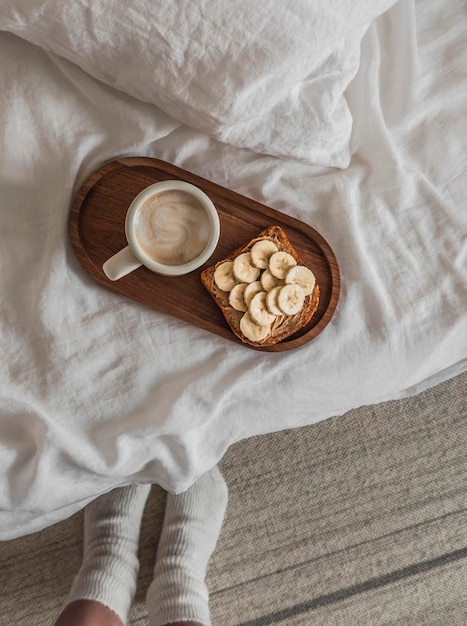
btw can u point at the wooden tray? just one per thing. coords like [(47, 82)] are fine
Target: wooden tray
[(97, 231)]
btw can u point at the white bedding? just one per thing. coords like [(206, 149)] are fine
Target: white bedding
[(99, 391)]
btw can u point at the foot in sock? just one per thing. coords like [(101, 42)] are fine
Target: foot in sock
[(110, 563), (192, 524)]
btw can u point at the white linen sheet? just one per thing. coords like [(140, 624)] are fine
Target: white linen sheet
[(98, 391), (263, 75)]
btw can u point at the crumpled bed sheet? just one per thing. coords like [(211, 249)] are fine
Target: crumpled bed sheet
[(99, 391)]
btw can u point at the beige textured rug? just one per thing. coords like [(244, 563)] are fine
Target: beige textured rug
[(358, 521)]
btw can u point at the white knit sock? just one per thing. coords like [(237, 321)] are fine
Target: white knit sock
[(192, 524), (110, 563)]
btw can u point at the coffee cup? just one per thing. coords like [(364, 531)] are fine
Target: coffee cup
[(172, 228)]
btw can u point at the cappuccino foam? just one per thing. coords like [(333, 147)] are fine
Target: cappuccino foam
[(172, 227)]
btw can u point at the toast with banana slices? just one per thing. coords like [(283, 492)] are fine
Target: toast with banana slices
[(263, 289)]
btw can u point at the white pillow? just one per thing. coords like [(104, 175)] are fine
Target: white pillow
[(266, 75)]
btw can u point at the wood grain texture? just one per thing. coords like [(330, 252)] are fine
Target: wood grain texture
[(97, 231)]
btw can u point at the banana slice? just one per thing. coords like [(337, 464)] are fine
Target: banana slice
[(301, 276), (280, 263), (268, 281), (290, 299), (259, 312), (236, 299), (261, 251), (243, 268), (223, 276), (271, 301), (251, 330), (251, 290)]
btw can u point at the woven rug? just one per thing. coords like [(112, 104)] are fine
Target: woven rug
[(358, 520)]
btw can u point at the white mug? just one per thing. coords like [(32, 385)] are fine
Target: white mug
[(172, 228)]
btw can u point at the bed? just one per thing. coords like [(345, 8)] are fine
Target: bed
[(350, 117)]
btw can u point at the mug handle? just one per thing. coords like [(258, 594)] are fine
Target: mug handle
[(121, 264)]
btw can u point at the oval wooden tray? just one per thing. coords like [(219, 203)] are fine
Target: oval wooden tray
[(96, 227)]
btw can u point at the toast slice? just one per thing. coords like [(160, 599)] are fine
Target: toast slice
[(248, 287)]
